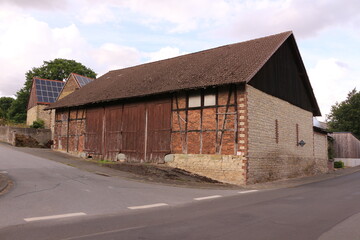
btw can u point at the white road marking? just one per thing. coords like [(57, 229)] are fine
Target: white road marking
[(249, 191), (148, 206), (208, 197), (55, 217)]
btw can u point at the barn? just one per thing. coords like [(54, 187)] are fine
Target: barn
[(240, 113)]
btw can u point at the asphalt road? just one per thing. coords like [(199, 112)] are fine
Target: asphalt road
[(323, 210), (47, 188)]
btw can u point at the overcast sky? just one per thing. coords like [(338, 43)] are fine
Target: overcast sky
[(112, 34)]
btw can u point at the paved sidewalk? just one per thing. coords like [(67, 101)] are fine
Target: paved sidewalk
[(294, 182)]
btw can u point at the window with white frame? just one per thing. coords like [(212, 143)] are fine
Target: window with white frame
[(202, 99)]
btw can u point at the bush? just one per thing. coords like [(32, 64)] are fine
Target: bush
[(339, 164), (38, 124)]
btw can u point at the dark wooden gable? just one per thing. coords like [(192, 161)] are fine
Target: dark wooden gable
[(284, 76)]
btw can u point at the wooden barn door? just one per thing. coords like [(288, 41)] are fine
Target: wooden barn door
[(94, 131), (133, 134), (113, 138), (158, 130)]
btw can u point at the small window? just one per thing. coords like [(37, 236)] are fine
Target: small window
[(210, 99), (195, 100)]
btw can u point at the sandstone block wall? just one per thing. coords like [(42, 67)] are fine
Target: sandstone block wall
[(31, 115), (320, 145), (37, 112), (274, 129), (69, 87), (224, 168)]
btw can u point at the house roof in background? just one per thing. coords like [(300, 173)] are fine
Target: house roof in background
[(229, 64), (47, 91), (81, 80)]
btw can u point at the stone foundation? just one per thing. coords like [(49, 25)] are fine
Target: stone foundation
[(223, 168)]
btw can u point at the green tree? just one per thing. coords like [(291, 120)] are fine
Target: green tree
[(345, 116), (57, 69), (5, 103)]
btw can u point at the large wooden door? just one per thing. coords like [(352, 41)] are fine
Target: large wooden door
[(113, 135), (94, 131), (141, 131), (133, 132), (158, 130)]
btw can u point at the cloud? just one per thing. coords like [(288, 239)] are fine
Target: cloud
[(95, 13), (36, 4), (112, 56), (331, 81), (26, 42), (305, 17), (163, 53)]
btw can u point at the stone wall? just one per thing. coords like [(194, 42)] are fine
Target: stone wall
[(12, 135), (69, 87), (320, 145), (37, 112), (31, 115), (223, 168), (275, 128)]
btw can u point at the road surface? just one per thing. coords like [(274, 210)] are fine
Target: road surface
[(52, 201)]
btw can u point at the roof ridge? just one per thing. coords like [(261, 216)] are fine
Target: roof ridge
[(205, 50), (81, 75), (47, 79), (287, 34), (229, 64)]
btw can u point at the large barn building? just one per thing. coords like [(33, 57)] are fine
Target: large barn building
[(240, 113)]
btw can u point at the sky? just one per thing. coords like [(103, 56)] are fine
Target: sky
[(112, 34)]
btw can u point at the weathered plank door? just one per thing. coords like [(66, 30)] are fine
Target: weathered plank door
[(133, 132), (94, 130), (113, 136), (158, 130)]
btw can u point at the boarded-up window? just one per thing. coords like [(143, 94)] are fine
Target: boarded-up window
[(195, 100), (210, 99)]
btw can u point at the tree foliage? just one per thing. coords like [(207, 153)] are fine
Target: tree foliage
[(57, 69), (345, 116), (5, 103)]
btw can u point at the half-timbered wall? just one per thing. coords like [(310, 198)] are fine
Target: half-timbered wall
[(211, 127), (69, 130)]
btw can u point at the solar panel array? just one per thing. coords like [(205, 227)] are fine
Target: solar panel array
[(47, 91), (83, 80)]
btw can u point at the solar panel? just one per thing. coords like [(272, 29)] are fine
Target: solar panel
[(83, 80), (47, 91)]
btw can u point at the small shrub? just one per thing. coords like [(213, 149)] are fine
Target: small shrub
[(339, 164), (38, 124)]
